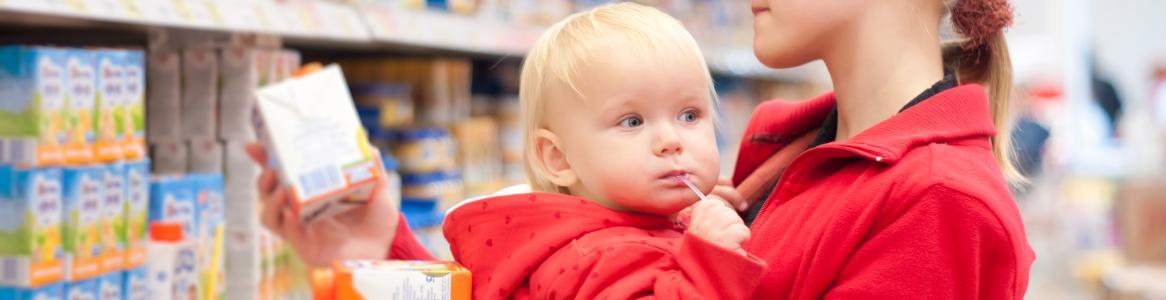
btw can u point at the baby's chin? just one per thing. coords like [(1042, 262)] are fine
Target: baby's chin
[(661, 206)]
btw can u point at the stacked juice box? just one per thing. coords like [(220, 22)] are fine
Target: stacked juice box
[(72, 161), (194, 202)]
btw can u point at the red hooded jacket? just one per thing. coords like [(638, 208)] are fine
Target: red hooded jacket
[(914, 207), (554, 246)]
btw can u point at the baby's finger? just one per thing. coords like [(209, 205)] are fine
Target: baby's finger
[(724, 181)]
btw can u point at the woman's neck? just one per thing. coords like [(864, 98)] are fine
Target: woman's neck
[(879, 63)]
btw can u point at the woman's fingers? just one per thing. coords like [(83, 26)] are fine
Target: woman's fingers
[(257, 153)]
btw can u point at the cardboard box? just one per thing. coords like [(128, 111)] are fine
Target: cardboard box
[(83, 193), (110, 105), (172, 200), (311, 130), (80, 108), (170, 158), (206, 156), (50, 291), (364, 279), (32, 118), (164, 97), (137, 212), (208, 188), (112, 226), (31, 239), (240, 77), (200, 79), (133, 145)]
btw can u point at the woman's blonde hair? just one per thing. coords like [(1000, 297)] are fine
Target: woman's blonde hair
[(557, 57), (981, 56)]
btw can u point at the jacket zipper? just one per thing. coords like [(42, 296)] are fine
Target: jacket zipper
[(795, 165)]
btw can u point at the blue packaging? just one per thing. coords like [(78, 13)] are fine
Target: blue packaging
[(109, 286), (172, 200), (45, 292), (134, 284)]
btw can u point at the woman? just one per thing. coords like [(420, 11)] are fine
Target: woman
[(901, 192)]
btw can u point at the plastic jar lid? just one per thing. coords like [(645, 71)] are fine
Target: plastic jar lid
[(428, 178), (413, 134), (166, 231)]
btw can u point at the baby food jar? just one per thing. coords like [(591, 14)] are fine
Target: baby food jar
[(387, 105), (424, 150), (446, 187)]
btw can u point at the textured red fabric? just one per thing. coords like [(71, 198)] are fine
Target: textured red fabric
[(554, 246), (914, 207), (405, 245)]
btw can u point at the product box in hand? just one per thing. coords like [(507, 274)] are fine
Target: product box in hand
[(310, 128), (137, 180), (31, 246), (49, 291), (113, 218), (80, 107), (133, 145), (83, 193), (109, 108), (208, 188), (32, 112), (366, 279), (164, 97), (200, 82), (172, 200)]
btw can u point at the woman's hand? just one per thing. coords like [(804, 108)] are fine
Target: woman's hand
[(361, 233)]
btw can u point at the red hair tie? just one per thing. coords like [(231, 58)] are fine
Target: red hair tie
[(978, 20)]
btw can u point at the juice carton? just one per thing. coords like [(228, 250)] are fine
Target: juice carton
[(133, 126), (83, 193), (169, 158), (113, 219), (172, 265), (366, 279), (172, 200), (240, 77), (199, 93), (164, 112), (310, 127), (32, 118), (110, 108), (82, 290), (80, 108), (109, 286), (134, 284), (208, 188), (137, 212), (30, 226), (45, 292), (204, 156)]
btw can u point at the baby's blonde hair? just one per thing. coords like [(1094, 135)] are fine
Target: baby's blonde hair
[(559, 53)]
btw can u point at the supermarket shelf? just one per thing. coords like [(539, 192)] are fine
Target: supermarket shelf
[(325, 24), (295, 19)]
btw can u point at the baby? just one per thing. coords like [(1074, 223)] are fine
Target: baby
[(618, 115)]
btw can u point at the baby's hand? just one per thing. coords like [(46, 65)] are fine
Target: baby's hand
[(713, 221)]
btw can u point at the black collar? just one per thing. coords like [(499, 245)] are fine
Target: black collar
[(829, 130)]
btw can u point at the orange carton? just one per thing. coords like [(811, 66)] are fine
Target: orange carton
[(400, 279), (314, 137)]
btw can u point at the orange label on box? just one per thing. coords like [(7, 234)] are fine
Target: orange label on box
[(135, 256), (49, 155), (45, 272), (112, 261), (107, 151), (84, 268)]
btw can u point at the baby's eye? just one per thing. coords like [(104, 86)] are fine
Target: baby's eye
[(689, 116), (631, 122)]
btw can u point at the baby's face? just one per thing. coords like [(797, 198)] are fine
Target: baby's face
[(641, 124)]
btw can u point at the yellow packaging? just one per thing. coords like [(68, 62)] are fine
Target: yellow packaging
[(79, 110), (365, 279)]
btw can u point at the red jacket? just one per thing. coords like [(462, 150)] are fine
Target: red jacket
[(914, 207), (554, 246)]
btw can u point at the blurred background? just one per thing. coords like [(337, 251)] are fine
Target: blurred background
[(435, 83)]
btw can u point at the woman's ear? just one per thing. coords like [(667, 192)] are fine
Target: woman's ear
[(553, 160)]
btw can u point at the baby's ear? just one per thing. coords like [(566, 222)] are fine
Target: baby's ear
[(553, 160)]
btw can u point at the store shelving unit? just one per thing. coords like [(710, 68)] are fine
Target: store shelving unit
[(339, 26)]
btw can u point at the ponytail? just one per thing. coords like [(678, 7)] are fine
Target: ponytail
[(982, 57)]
